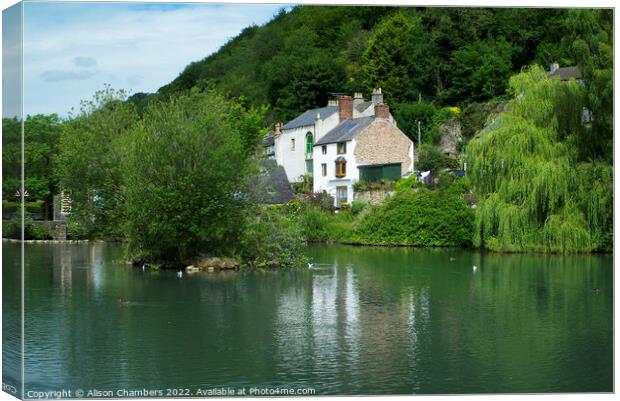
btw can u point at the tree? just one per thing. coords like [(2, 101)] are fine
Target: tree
[(41, 136), (88, 164), (480, 70), (408, 115), (429, 158), (399, 58), (533, 193), (186, 168)]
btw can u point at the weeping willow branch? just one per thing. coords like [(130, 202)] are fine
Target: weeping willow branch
[(533, 194)]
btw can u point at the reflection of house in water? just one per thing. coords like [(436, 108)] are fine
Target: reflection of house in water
[(84, 261), (346, 331)]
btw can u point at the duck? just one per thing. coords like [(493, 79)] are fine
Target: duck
[(474, 268), (122, 302), (452, 259), (310, 265), (180, 274)]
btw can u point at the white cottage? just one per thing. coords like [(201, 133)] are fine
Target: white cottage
[(348, 140), (369, 147), (293, 142)]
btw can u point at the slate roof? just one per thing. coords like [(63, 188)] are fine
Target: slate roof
[(269, 139), (309, 116), (346, 130), (566, 73), (362, 106), (273, 186)]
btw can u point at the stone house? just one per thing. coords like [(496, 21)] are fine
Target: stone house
[(350, 139), (566, 73), (363, 148)]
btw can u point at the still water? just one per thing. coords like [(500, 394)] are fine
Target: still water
[(362, 321)]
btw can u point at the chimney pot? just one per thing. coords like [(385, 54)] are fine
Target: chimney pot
[(345, 108)]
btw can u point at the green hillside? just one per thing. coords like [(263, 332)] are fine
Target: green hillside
[(448, 55)]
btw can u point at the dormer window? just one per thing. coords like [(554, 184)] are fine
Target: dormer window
[(342, 148), (324, 149), (341, 167)]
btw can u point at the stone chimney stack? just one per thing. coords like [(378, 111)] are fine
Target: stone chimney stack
[(358, 98), (277, 129), (345, 108), (377, 97), (553, 67), (382, 111)]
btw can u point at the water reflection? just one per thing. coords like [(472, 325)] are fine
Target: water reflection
[(362, 321)]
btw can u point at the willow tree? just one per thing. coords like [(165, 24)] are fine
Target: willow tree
[(534, 194)]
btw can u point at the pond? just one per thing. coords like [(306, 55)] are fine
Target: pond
[(360, 321)]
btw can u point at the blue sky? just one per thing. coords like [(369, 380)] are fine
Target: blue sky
[(72, 49)]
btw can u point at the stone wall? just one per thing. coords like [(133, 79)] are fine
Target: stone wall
[(374, 197), (383, 143)]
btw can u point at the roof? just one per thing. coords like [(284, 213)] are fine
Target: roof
[(346, 130), (273, 186), (566, 73), (269, 139), (362, 106), (309, 116)]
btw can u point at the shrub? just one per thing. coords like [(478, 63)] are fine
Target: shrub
[(421, 218), (408, 183), (429, 158), (270, 239), (321, 200), (358, 205)]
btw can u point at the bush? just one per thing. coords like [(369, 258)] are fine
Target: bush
[(358, 205), (324, 226), (421, 218), (408, 183), (321, 200), (272, 240), (429, 158)]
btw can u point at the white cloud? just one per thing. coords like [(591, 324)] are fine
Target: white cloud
[(134, 48)]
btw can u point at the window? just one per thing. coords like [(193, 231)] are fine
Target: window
[(292, 143), (380, 172), (324, 149), (341, 196), (341, 167), (309, 167), (324, 170), (309, 143), (342, 148)]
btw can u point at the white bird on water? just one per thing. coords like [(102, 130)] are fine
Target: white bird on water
[(310, 265), (474, 268), (180, 274)]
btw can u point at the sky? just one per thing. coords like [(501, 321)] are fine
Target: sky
[(72, 49)]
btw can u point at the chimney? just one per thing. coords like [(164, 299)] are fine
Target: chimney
[(358, 98), (553, 67), (277, 129), (382, 111), (345, 108), (332, 103), (377, 96)]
